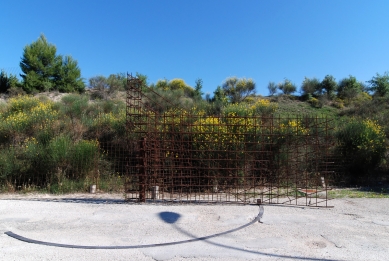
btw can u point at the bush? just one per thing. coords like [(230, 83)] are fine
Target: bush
[(16, 91), (37, 142), (26, 116), (22, 103), (338, 103), (74, 105), (362, 142), (315, 102), (83, 157), (34, 163), (260, 107), (8, 164)]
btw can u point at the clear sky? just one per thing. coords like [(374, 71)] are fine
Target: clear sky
[(267, 40)]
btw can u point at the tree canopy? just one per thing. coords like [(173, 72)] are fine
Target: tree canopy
[(287, 87), (176, 84), (379, 84), (7, 81), (272, 87), (311, 86), (104, 87), (329, 86), (238, 89), (44, 70), (349, 88), (68, 76), (198, 89)]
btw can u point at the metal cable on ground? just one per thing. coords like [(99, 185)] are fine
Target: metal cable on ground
[(32, 241)]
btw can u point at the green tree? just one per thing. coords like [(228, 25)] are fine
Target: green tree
[(349, 88), (208, 97), (44, 70), (197, 90), (7, 82), (328, 86), (39, 64), (219, 95), (3, 82), (143, 78), (180, 84), (238, 89), (98, 83), (379, 84), (116, 82), (175, 85), (218, 101), (310, 87), (100, 86), (4, 85), (162, 84), (272, 87), (68, 76), (287, 87)]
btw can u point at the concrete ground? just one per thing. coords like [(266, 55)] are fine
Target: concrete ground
[(355, 229)]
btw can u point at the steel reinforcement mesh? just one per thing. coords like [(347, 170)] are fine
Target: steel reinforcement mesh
[(185, 156)]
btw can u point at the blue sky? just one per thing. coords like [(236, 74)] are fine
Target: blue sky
[(267, 40)]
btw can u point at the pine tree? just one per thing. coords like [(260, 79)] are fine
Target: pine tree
[(38, 64), (68, 76), (44, 70)]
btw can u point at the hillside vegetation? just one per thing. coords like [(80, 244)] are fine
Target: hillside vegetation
[(59, 133), (57, 144)]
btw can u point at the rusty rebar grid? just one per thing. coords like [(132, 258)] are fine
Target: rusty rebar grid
[(183, 156)]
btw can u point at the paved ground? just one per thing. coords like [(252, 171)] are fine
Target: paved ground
[(355, 229)]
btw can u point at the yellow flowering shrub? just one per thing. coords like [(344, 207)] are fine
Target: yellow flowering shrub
[(293, 127), (26, 114), (22, 103), (364, 141), (110, 118), (110, 122), (263, 106), (315, 102), (209, 132)]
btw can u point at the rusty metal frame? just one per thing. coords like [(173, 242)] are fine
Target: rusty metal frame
[(180, 156)]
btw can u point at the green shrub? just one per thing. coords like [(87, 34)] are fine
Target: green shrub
[(58, 151), (363, 143), (8, 164), (16, 91), (338, 103), (74, 105), (84, 156), (316, 103)]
